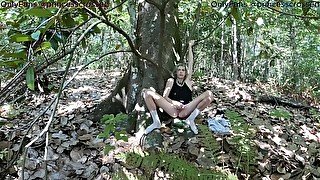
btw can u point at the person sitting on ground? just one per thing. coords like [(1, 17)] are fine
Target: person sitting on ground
[(177, 97)]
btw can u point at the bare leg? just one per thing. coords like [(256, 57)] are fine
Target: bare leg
[(152, 100), (200, 102), (194, 107)]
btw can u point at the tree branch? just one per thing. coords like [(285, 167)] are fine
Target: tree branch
[(295, 15), (46, 129), (109, 10), (105, 20), (12, 161), (61, 87), (17, 78), (214, 29)]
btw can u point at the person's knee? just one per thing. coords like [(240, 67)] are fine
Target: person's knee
[(208, 93), (182, 115), (208, 97), (145, 93), (208, 100), (173, 114)]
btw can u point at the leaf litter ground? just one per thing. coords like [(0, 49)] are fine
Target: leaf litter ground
[(267, 141)]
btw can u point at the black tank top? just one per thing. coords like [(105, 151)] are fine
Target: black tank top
[(182, 94)]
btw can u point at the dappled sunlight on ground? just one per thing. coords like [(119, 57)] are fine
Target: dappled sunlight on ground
[(273, 141)]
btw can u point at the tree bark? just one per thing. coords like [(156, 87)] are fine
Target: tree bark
[(157, 38), (235, 67), (221, 62)]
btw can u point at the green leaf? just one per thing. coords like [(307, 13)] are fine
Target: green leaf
[(30, 78), (305, 9), (106, 133), (119, 9), (96, 29), (54, 43), (106, 118), (1, 124), (68, 21), (39, 12), (235, 13), (36, 35), (84, 43), (121, 136), (48, 25), (13, 64), (108, 148), (228, 21), (20, 55), (20, 38), (43, 46)]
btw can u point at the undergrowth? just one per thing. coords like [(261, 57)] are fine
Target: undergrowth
[(315, 115), (245, 149), (209, 143), (281, 114), (174, 166), (113, 127)]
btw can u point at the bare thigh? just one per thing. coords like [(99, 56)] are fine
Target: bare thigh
[(187, 110), (191, 106), (163, 103)]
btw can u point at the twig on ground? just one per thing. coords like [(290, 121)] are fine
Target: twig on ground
[(55, 99)]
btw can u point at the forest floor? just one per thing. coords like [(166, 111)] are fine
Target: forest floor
[(268, 139)]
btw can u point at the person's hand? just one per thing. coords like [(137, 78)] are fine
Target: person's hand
[(191, 42), (177, 105)]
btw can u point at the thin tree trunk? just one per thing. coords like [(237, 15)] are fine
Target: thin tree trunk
[(243, 58), (221, 62), (253, 61), (266, 70), (239, 55), (235, 61), (293, 63)]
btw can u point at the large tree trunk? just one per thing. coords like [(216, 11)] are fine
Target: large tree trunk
[(157, 38)]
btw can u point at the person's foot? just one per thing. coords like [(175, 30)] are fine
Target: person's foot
[(192, 126), (152, 127)]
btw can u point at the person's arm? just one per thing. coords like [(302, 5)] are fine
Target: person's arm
[(190, 59), (167, 89)]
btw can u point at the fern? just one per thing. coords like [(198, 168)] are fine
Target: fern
[(209, 143), (245, 150), (281, 113), (315, 115), (111, 122), (177, 167)]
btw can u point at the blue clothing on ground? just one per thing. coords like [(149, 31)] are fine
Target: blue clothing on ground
[(219, 125)]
